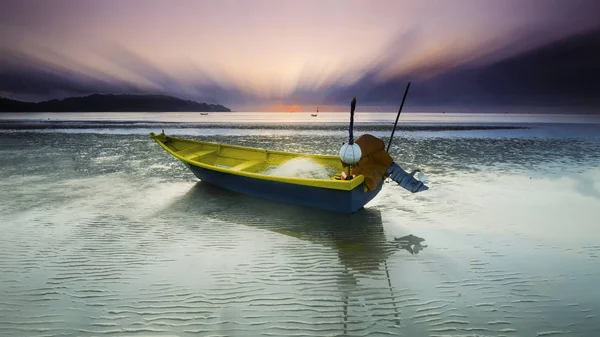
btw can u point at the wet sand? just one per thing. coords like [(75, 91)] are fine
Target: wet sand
[(106, 234)]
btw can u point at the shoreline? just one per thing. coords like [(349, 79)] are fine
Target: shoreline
[(376, 126)]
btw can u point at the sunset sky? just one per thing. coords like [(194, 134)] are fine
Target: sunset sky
[(271, 55)]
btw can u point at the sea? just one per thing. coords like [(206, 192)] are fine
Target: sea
[(103, 233)]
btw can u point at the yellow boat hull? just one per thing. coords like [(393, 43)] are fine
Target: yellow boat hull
[(239, 169)]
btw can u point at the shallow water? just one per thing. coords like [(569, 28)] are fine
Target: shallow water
[(106, 234)]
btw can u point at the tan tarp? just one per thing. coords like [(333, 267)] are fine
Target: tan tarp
[(374, 160)]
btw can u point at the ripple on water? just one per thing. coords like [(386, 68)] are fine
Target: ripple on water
[(108, 235)]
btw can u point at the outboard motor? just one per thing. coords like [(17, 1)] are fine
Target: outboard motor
[(404, 179), (370, 158)]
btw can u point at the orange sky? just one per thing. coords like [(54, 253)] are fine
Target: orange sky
[(280, 107)]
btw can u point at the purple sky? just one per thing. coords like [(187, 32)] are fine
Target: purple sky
[(253, 53)]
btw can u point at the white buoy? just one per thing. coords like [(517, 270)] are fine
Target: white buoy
[(350, 154)]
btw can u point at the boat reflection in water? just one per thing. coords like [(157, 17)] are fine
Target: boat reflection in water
[(359, 239)]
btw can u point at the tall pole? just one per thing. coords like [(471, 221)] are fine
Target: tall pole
[(352, 107), (351, 136), (398, 116)]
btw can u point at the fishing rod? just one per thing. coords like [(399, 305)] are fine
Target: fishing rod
[(398, 116)]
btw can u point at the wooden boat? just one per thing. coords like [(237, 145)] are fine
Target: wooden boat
[(242, 169)]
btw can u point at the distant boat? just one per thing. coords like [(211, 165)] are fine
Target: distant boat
[(204, 113), (315, 115)]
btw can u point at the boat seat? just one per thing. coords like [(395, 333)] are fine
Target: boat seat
[(200, 154), (188, 150), (246, 165), (204, 153)]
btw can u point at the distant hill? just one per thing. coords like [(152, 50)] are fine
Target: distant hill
[(111, 103)]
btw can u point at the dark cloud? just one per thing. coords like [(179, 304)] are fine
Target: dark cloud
[(561, 73), (564, 73), (27, 77)]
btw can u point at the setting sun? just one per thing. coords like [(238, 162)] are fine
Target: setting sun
[(284, 108)]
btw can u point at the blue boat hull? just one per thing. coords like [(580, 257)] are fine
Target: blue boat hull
[(321, 198)]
